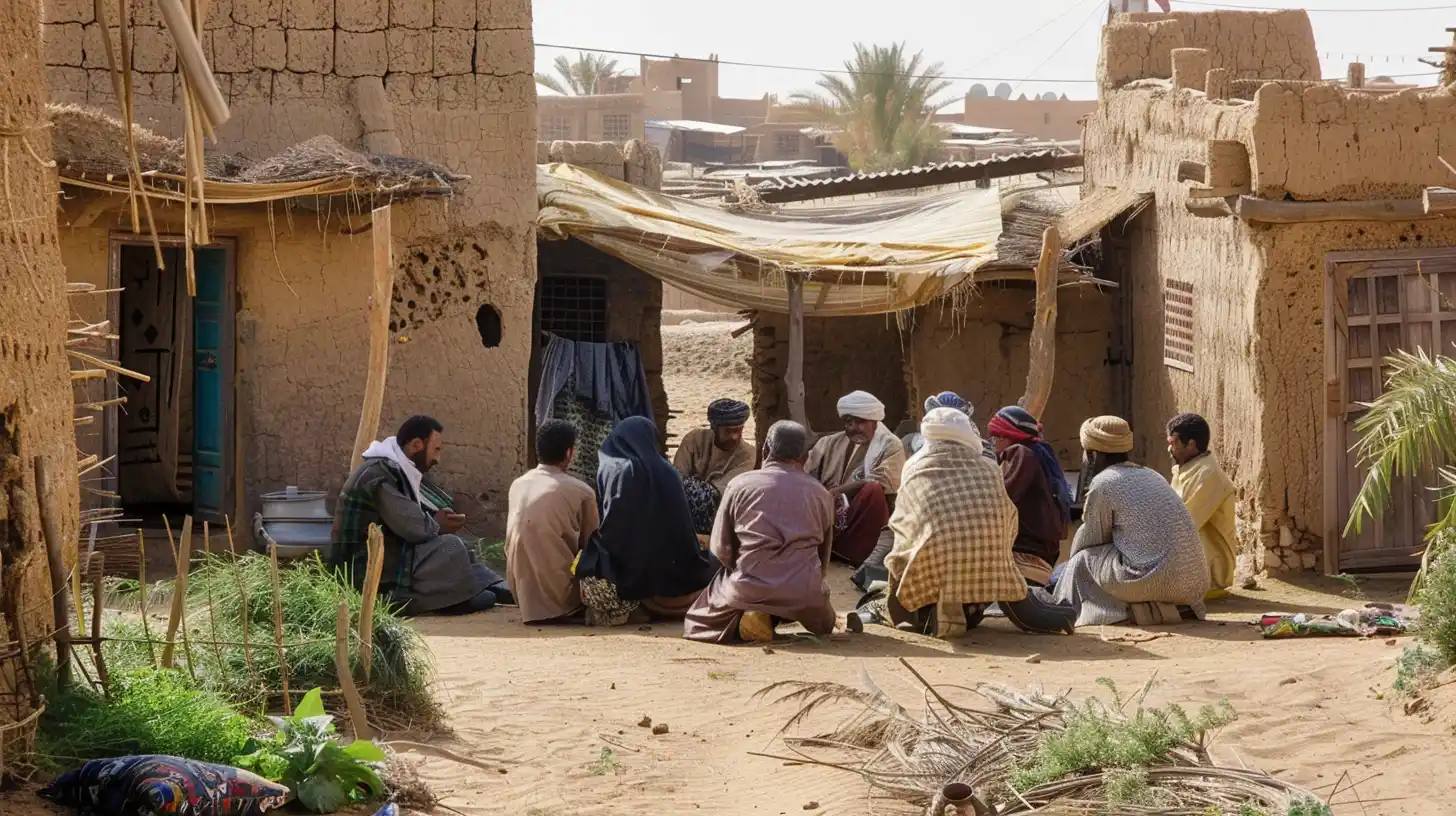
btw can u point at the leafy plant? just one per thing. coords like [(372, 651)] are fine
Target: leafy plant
[(1438, 608), (580, 76), (606, 763), (149, 712), (491, 552), (303, 754), (1414, 669)]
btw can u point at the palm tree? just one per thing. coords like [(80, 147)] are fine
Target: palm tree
[(883, 108), (1408, 431), (580, 76)]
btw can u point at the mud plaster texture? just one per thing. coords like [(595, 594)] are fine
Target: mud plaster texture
[(1259, 290), (35, 386), (464, 96), (634, 298)]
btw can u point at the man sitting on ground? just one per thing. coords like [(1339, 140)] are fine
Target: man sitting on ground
[(428, 566), (861, 467), (1137, 553), (772, 536), (1036, 483), (709, 458), (551, 516), (1208, 494)]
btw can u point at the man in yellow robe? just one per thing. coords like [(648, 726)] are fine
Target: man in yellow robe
[(1209, 495)]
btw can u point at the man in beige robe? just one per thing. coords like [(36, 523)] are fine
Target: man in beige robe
[(709, 458), (551, 516), (861, 468)]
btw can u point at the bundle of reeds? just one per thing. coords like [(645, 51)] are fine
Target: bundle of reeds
[(1029, 752)]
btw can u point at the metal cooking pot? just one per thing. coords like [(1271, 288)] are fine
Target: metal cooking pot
[(294, 522)]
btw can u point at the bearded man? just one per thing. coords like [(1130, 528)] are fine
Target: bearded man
[(428, 566), (860, 466), (709, 458)]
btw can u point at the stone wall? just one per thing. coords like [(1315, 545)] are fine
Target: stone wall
[(1250, 44), (448, 80)]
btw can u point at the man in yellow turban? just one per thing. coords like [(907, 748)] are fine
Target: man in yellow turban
[(1137, 546)]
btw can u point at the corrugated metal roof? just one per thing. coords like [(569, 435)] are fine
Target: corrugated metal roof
[(694, 127), (928, 176), (958, 129)]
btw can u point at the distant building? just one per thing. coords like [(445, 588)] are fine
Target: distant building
[(1053, 118)]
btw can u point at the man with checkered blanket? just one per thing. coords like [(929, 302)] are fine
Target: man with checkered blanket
[(954, 527)]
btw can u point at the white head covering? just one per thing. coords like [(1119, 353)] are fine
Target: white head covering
[(950, 425), (861, 405)]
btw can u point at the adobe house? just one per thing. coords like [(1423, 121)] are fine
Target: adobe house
[(1298, 236), (447, 83)]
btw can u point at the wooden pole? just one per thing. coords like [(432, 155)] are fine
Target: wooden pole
[(242, 600), (97, 568), (1043, 360), (379, 303), (146, 595), (371, 592), (194, 63), (60, 587), (179, 595), (794, 374), (357, 716), (278, 628)]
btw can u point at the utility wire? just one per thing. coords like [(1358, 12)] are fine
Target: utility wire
[(841, 70), (1202, 4), (1039, 29), (1097, 10)]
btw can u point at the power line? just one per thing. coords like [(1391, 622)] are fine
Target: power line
[(1039, 29), (1202, 4), (1097, 10)]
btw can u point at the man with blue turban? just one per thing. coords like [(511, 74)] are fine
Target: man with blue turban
[(709, 458)]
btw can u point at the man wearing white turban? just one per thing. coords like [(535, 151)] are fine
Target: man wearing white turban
[(861, 467)]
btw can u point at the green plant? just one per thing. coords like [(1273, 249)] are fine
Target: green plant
[(1410, 431), (1438, 608), (1415, 667), (884, 107), (491, 552), (1307, 806), (1127, 786), (1352, 590), (580, 76), (1097, 736), (302, 754), (149, 712), (606, 763)]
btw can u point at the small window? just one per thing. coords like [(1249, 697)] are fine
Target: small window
[(787, 144), (1046, 118), (574, 307), (554, 128), (616, 127), (1178, 324), (488, 323)]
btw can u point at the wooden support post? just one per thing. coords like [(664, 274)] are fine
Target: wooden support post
[(794, 374), (379, 303), (194, 63), (278, 628), (60, 587), (179, 596), (97, 568), (1355, 75), (358, 718), (1043, 359), (371, 591)]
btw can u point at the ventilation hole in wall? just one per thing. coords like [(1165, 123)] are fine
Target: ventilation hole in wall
[(488, 323)]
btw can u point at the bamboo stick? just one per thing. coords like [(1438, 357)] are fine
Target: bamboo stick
[(211, 612), (278, 628), (179, 595), (357, 718), (371, 592), (379, 303), (106, 364), (1043, 361), (146, 594), (60, 589), (242, 600), (194, 62), (97, 567)]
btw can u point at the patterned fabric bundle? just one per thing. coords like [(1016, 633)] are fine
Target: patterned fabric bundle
[(152, 785)]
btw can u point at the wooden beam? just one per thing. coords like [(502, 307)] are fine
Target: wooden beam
[(379, 303), (794, 374), (1439, 200), (50, 526), (1192, 171), (1265, 211), (194, 62), (1043, 358)]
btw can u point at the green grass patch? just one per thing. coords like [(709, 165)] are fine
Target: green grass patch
[(492, 553), (149, 712)]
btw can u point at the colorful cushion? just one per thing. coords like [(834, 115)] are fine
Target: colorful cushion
[(154, 785)]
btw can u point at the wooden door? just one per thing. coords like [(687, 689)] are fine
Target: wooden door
[(1376, 304), (212, 385)]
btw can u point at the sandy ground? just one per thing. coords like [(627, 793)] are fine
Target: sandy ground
[(701, 362), (556, 710)]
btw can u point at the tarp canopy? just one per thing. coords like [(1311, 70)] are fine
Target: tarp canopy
[(864, 257)]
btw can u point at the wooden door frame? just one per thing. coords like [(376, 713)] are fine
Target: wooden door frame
[(111, 430), (1337, 381)]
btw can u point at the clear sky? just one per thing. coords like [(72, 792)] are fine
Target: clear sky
[(1027, 42)]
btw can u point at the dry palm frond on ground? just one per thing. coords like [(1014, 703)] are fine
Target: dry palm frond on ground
[(1029, 752)]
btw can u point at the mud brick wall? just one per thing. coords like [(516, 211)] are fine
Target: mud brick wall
[(444, 80)]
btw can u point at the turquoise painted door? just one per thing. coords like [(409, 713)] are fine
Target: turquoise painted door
[(212, 386)]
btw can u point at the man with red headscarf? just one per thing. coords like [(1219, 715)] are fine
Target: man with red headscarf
[(1038, 488)]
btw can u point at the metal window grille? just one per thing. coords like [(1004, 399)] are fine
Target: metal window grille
[(554, 128), (1178, 324), (616, 127), (575, 307), (788, 143)]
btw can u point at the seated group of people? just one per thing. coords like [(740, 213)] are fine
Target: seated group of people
[(944, 526)]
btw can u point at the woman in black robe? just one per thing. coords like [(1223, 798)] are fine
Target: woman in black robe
[(647, 552)]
